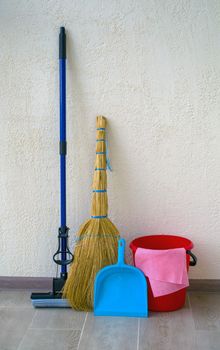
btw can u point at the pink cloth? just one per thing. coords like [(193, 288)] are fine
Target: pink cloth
[(166, 269)]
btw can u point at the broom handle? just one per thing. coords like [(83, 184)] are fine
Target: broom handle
[(63, 144), (99, 197)]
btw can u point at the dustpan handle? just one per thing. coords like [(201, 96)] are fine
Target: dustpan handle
[(121, 251)]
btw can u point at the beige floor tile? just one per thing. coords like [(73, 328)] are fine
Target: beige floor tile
[(168, 331), (206, 310), (109, 333), (39, 339), (15, 298), (58, 319), (13, 325)]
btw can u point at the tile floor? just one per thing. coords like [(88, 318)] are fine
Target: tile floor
[(195, 327)]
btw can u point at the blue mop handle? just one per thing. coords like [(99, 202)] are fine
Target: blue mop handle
[(63, 144)]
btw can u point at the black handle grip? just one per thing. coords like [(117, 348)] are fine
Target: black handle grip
[(60, 261), (62, 43), (192, 262)]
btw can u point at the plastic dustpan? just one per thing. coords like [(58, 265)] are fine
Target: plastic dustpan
[(120, 290)]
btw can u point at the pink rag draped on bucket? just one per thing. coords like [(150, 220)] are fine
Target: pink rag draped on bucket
[(165, 269)]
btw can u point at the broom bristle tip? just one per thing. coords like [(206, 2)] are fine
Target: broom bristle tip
[(96, 248)]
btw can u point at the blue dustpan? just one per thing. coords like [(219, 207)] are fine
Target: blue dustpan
[(120, 290)]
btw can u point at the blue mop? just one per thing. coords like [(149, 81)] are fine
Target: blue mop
[(63, 256)]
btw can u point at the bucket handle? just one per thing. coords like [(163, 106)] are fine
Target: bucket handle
[(192, 262)]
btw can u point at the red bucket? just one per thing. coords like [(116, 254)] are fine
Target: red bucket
[(173, 301)]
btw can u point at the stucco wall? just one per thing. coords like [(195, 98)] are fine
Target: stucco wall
[(153, 69)]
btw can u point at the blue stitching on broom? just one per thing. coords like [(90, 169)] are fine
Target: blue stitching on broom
[(108, 163)]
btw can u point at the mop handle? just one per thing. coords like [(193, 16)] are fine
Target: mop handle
[(63, 256), (63, 144)]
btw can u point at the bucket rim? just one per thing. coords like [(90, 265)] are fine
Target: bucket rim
[(133, 243)]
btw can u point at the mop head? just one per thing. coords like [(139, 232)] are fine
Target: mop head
[(97, 239)]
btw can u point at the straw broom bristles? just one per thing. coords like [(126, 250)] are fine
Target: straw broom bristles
[(97, 238)]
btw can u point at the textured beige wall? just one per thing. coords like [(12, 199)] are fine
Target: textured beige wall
[(152, 68)]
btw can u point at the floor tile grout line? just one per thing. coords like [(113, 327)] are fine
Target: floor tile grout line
[(189, 301), (35, 314), (15, 307), (26, 330), (53, 329), (190, 306), (81, 334), (138, 334)]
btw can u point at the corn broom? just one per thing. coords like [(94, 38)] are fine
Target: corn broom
[(96, 243)]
